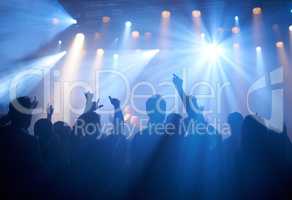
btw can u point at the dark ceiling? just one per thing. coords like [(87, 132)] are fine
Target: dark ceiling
[(146, 11), (97, 8)]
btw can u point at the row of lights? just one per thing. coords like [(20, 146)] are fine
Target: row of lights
[(136, 34), (279, 44), (195, 14), (167, 14)]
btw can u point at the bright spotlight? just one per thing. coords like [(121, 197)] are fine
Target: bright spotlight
[(78, 42), (290, 28), (80, 36), (258, 49), (60, 42), (100, 52), (165, 14), (135, 34), (116, 56), (74, 21), (236, 18), (196, 13), (150, 53), (279, 44), (257, 11), (106, 19), (212, 52), (128, 24)]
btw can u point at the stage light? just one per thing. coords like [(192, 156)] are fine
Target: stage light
[(236, 18), (106, 19), (290, 28), (28, 76), (71, 71), (165, 14), (74, 21), (60, 42), (135, 34), (100, 52), (202, 35), (212, 52), (257, 11), (150, 53), (196, 13), (279, 44), (79, 37), (128, 24), (235, 30), (258, 49), (78, 42), (116, 56)]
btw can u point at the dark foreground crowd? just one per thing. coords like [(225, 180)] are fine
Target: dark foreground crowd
[(170, 162)]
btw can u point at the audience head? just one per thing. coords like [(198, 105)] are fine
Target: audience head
[(253, 131), (156, 108), (235, 121), (61, 129), (173, 122), (43, 129), (20, 112), (88, 124)]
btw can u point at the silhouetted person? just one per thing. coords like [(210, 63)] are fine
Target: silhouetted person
[(118, 121), (19, 152), (155, 109), (231, 147), (235, 121), (44, 134), (146, 141), (260, 174), (157, 179), (63, 132)]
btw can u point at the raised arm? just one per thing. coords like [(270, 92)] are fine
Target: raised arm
[(189, 102), (118, 120), (178, 83), (50, 112), (91, 105)]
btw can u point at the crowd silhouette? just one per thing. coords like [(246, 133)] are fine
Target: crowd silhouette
[(170, 159)]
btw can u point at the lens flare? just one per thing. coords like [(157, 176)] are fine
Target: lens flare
[(212, 52)]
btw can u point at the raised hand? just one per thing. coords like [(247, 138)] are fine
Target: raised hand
[(177, 81), (118, 120), (91, 105), (95, 106), (89, 96), (115, 102), (50, 111)]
